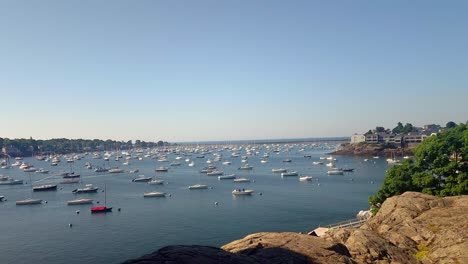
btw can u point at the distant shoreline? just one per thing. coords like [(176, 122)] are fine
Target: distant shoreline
[(267, 141)]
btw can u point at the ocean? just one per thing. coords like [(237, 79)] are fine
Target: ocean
[(213, 216)]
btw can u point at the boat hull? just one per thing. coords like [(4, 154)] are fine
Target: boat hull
[(80, 201), (14, 182), (29, 201), (195, 187), (245, 192), (101, 209), (154, 194), (85, 190), (45, 188)]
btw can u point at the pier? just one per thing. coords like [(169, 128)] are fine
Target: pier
[(353, 223)]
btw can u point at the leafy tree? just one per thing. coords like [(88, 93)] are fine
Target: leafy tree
[(408, 128), (440, 168), (450, 124), (379, 129), (368, 132), (398, 129)]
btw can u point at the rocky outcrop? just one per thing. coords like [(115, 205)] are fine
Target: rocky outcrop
[(192, 254), (369, 150), (289, 248), (410, 228)]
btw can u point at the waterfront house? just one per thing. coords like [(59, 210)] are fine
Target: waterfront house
[(357, 138)]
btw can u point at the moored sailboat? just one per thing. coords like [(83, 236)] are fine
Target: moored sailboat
[(102, 209)]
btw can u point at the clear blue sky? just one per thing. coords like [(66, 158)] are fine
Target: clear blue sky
[(224, 70)]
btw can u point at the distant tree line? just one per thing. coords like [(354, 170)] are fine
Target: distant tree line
[(404, 129), (439, 168), (27, 147)]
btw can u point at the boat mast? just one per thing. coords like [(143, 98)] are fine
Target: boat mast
[(105, 195), (30, 183)]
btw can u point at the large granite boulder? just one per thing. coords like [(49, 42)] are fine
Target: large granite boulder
[(288, 247), (191, 254)]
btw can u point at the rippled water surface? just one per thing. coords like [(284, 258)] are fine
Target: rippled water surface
[(41, 233)]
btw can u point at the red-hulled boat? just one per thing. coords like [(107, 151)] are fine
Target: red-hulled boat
[(101, 209)]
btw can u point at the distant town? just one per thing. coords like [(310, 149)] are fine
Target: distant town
[(400, 136)]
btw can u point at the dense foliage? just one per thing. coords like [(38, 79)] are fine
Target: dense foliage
[(400, 129), (27, 147), (439, 168)]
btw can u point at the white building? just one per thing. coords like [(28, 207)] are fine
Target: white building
[(356, 138)]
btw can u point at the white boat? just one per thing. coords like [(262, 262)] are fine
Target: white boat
[(116, 170), (154, 194), (281, 170), (291, 173), (317, 162), (175, 164), (16, 164), (142, 178), (43, 171), (215, 173), (246, 167), (241, 180), (406, 157), (1, 198), (89, 188), (263, 161), (227, 177), (29, 201), (198, 186), (100, 169), (366, 159), (331, 164), (305, 178), (9, 181), (80, 201), (227, 163), (30, 169), (156, 182), (242, 192), (191, 164), (162, 169), (335, 172), (393, 161), (134, 171)]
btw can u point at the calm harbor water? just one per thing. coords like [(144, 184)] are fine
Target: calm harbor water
[(41, 233)]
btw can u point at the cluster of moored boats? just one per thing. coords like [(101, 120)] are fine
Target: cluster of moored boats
[(161, 155)]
